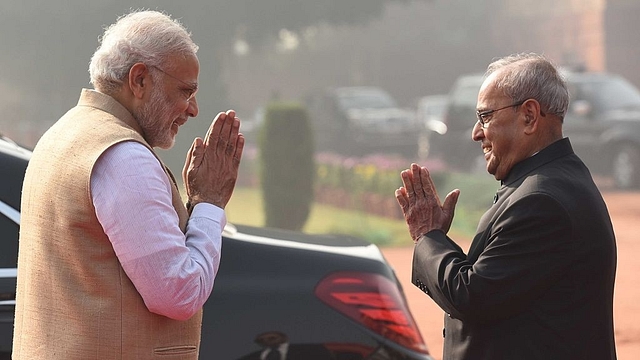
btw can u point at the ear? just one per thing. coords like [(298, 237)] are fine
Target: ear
[(532, 115), (139, 79)]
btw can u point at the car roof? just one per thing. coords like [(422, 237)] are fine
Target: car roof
[(326, 243), (359, 90), (474, 79), (13, 163), (430, 99), (10, 148), (571, 76)]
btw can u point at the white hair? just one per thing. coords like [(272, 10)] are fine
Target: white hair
[(532, 76), (149, 37)]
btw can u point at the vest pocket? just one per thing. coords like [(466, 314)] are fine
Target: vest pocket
[(175, 350)]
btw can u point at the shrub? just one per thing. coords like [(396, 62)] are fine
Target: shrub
[(287, 166)]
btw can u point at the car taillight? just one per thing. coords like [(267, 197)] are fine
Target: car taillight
[(375, 302)]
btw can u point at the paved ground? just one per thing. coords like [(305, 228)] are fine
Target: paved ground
[(625, 213)]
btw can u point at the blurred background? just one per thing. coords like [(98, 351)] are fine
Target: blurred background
[(252, 51), (379, 80), (408, 53), (380, 83), (376, 77)]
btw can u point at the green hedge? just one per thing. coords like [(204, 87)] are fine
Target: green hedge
[(287, 166)]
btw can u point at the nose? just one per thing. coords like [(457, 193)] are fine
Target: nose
[(477, 133), (192, 109)]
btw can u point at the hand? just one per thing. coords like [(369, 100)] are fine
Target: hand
[(211, 168), (420, 204)]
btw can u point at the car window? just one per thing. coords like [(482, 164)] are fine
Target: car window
[(606, 94), (365, 100), (462, 110), (9, 231), (429, 109), (466, 96)]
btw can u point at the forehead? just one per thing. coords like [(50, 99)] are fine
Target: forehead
[(188, 67), (489, 94)]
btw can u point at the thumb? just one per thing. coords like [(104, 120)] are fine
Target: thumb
[(194, 158), (450, 201), (197, 153), (448, 208), (187, 162)]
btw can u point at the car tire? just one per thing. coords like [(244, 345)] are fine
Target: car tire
[(626, 167)]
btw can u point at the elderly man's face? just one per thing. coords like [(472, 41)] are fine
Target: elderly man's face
[(501, 138), (170, 102)]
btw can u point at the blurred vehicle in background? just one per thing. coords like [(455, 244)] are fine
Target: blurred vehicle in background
[(329, 297), (430, 111), (451, 142), (360, 121), (603, 124), (429, 116), (250, 125), (13, 162)]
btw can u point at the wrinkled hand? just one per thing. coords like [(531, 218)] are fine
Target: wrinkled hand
[(420, 204), (211, 168)]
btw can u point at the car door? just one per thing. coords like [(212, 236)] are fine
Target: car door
[(9, 219), (582, 123), (13, 163), (456, 146)]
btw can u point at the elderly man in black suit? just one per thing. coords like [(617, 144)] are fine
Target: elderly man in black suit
[(538, 279)]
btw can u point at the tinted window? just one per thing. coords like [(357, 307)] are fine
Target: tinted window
[(467, 96), (609, 93), (462, 111), (8, 242), (429, 109), (13, 162), (365, 100)]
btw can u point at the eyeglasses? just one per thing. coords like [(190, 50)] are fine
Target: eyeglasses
[(485, 116), (190, 90)]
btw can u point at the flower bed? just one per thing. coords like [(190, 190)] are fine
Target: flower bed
[(367, 184), (359, 183)]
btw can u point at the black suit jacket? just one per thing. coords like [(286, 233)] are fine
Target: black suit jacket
[(538, 280)]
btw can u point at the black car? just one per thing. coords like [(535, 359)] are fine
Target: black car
[(13, 161), (361, 120), (603, 123), (327, 297)]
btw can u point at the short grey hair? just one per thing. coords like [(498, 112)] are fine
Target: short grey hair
[(532, 76), (149, 37)]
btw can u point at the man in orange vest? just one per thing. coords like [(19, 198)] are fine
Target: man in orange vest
[(111, 262)]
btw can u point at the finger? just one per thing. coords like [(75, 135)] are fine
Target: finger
[(401, 198), (416, 172), (428, 185), (239, 148), (226, 131), (210, 130), (214, 129), (233, 137), (407, 182), (231, 113), (228, 125)]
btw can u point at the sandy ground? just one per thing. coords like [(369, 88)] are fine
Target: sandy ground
[(625, 213)]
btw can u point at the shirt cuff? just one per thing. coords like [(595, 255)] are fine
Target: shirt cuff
[(210, 211)]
